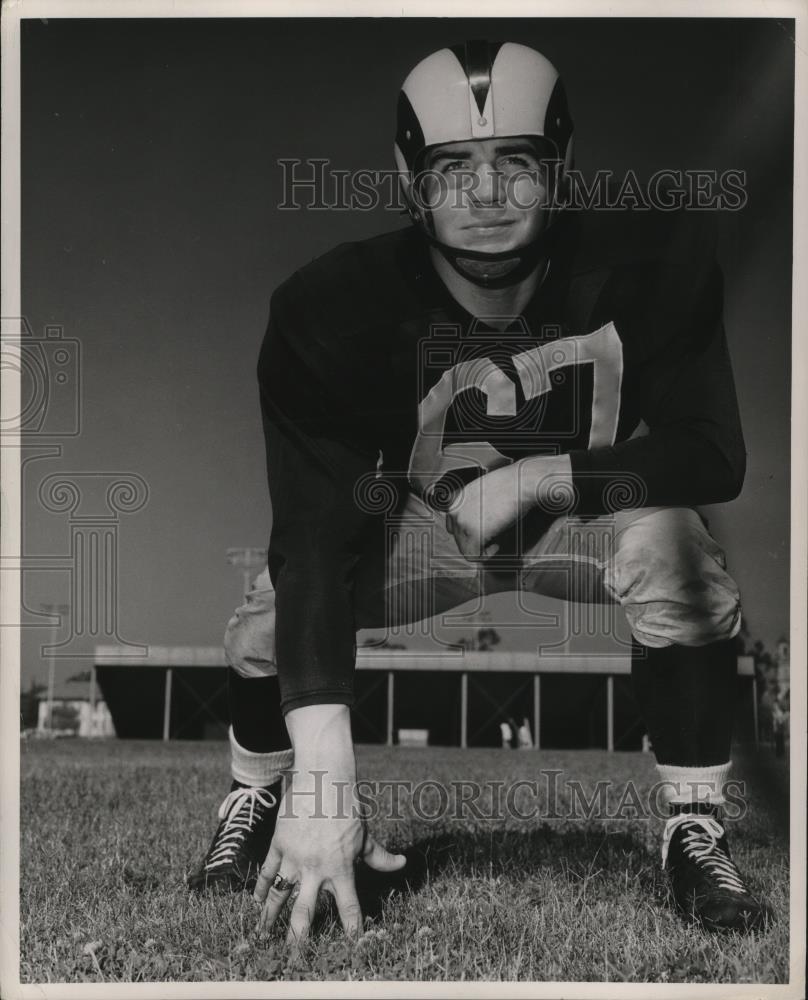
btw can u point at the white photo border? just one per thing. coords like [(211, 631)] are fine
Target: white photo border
[(10, 591)]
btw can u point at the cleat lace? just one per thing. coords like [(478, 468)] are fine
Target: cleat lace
[(239, 811), (700, 842)]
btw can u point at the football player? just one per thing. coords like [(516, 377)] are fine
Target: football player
[(495, 398)]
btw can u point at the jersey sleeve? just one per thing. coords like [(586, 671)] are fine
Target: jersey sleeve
[(318, 447), (681, 377)]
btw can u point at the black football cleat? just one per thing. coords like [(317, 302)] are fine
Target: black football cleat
[(707, 887), (241, 842)]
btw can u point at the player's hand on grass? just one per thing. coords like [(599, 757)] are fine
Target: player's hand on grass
[(320, 834)]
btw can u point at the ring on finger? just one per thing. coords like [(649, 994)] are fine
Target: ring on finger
[(283, 884)]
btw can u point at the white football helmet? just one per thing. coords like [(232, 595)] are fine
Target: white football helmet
[(483, 90)]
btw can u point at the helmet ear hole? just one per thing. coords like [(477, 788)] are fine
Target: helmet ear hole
[(410, 205)]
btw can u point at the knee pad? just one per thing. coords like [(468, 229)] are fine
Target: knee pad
[(670, 577), (249, 638)]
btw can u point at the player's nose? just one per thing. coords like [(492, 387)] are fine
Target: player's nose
[(487, 190)]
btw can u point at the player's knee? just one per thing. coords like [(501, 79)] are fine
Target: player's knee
[(252, 668), (699, 623), (670, 576), (249, 648), (249, 638)]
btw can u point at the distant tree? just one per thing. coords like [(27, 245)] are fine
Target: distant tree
[(773, 702), (764, 661), (482, 641), (487, 638)]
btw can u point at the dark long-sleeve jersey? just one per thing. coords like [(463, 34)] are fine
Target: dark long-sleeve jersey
[(370, 368)]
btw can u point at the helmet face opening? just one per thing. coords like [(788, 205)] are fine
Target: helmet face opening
[(541, 148), (537, 148)]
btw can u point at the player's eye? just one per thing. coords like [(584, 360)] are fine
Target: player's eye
[(521, 161), (454, 166)]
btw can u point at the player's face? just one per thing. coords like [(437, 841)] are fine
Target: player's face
[(486, 194)]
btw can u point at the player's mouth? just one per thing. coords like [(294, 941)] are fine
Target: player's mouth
[(486, 227), (488, 234)]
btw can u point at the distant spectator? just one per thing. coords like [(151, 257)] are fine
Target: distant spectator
[(780, 722)]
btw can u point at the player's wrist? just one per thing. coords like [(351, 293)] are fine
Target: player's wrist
[(544, 481), (321, 736)]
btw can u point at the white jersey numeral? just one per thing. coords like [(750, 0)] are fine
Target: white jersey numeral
[(430, 460)]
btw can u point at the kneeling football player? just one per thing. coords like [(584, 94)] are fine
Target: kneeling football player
[(540, 408)]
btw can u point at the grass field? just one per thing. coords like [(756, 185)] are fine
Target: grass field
[(109, 830)]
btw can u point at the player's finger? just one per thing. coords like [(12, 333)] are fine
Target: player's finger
[(302, 913), (471, 550), (377, 857), (269, 870), (274, 903), (277, 898), (350, 912)]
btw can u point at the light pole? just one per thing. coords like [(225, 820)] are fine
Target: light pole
[(248, 560), (53, 609)]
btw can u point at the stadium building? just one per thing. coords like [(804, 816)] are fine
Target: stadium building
[(452, 698)]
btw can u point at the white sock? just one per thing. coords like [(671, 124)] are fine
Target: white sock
[(256, 769), (682, 785)]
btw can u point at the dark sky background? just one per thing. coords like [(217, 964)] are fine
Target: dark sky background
[(151, 234)]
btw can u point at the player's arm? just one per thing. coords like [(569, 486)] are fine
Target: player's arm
[(317, 451), (319, 447), (694, 452), (316, 540)]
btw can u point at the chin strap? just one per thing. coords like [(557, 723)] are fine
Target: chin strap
[(495, 269)]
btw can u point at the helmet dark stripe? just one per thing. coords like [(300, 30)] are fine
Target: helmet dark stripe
[(409, 135), (557, 119), (476, 57)]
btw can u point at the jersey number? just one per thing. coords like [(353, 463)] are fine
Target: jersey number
[(431, 459)]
